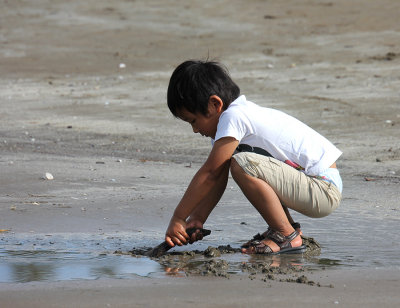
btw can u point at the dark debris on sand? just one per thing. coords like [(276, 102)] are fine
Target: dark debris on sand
[(313, 249), (210, 262)]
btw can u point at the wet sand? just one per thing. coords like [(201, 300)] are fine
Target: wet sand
[(83, 97), (354, 289)]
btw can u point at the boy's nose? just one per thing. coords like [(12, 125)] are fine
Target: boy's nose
[(195, 130)]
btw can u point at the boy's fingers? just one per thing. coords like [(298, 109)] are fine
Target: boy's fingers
[(169, 241), (180, 239), (176, 240)]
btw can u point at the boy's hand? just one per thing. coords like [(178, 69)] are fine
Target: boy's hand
[(176, 232), (195, 223)]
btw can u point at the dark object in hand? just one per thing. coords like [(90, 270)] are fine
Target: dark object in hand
[(161, 249)]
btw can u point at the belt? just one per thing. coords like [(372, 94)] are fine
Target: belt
[(249, 148)]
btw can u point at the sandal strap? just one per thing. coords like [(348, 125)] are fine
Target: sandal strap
[(261, 248), (256, 238), (281, 240), (273, 235)]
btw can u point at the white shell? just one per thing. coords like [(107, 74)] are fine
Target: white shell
[(48, 176)]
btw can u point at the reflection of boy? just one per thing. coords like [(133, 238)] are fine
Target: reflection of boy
[(277, 161)]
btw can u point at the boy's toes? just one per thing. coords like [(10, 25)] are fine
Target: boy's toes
[(246, 250)]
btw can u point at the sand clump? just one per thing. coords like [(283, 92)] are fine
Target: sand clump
[(218, 262)]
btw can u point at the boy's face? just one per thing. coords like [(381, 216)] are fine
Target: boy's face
[(203, 124), (207, 124)]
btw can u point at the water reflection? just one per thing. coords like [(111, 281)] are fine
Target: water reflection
[(106, 271), (28, 266), (26, 258), (31, 272), (236, 263), (278, 260)]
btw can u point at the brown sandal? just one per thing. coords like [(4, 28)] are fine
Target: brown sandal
[(260, 237), (284, 243)]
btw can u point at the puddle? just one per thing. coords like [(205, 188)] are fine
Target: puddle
[(27, 266), (28, 258), (346, 242)]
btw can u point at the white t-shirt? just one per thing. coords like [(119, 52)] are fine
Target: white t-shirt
[(283, 136)]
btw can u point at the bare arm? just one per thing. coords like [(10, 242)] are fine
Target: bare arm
[(203, 210), (200, 214), (212, 174)]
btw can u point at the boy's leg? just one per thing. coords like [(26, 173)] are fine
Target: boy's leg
[(295, 225), (289, 217), (262, 196), (307, 195)]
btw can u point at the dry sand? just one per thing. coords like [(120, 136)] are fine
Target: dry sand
[(83, 97)]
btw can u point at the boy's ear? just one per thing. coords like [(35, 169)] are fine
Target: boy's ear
[(215, 104)]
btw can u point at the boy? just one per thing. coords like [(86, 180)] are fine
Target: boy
[(277, 161)]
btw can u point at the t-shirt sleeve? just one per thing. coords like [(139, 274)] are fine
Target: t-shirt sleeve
[(230, 125)]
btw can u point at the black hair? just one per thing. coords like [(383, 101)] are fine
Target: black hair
[(194, 81)]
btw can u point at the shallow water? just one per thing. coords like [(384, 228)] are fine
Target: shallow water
[(27, 266), (360, 234), (32, 257), (357, 234), (74, 256), (68, 257)]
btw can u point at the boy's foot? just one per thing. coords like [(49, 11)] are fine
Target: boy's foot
[(260, 237), (276, 243)]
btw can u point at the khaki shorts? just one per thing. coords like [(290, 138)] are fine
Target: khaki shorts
[(305, 194)]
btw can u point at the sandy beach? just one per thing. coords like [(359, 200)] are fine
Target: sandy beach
[(83, 99)]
